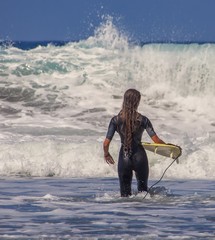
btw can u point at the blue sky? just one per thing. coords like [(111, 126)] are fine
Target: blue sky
[(142, 20)]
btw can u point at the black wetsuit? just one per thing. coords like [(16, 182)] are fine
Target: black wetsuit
[(137, 160)]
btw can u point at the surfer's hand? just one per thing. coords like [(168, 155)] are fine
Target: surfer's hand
[(109, 159)]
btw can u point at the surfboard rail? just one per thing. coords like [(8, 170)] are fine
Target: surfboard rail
[(167, 150)]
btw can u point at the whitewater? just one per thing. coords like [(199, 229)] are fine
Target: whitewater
[(55, 106)]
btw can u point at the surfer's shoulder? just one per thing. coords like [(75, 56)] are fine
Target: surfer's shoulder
[(143, 119), (114, 119)]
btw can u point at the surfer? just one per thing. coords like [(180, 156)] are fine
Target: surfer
[(130, 125)]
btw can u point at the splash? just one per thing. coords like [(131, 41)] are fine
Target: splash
[(108, 36)]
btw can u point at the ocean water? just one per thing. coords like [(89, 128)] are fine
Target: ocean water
[(56, 101)]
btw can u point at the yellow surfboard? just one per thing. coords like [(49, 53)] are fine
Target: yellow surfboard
[(167, 150)]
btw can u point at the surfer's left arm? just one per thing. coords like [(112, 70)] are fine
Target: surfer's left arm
[(108, 158), (110, 133)]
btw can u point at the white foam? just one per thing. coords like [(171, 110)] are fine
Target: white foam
[(78, 87)]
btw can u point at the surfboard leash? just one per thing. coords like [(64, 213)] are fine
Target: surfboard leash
[(175, 160)]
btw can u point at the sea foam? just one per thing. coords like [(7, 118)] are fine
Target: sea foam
[(56, 103)]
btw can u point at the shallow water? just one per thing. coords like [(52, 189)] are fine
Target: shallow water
[(91, 208)]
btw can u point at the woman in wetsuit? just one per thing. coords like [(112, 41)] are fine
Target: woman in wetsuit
[(132, 157)]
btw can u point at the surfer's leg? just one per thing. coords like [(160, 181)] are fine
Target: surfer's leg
[(141, 168), (125, 175)]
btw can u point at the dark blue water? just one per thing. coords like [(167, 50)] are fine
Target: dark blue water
[(27, 45)]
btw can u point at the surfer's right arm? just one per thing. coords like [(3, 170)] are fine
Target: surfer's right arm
[(152, 133), (156, 139)]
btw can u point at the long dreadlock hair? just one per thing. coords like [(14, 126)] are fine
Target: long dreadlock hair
[(129, 116)]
